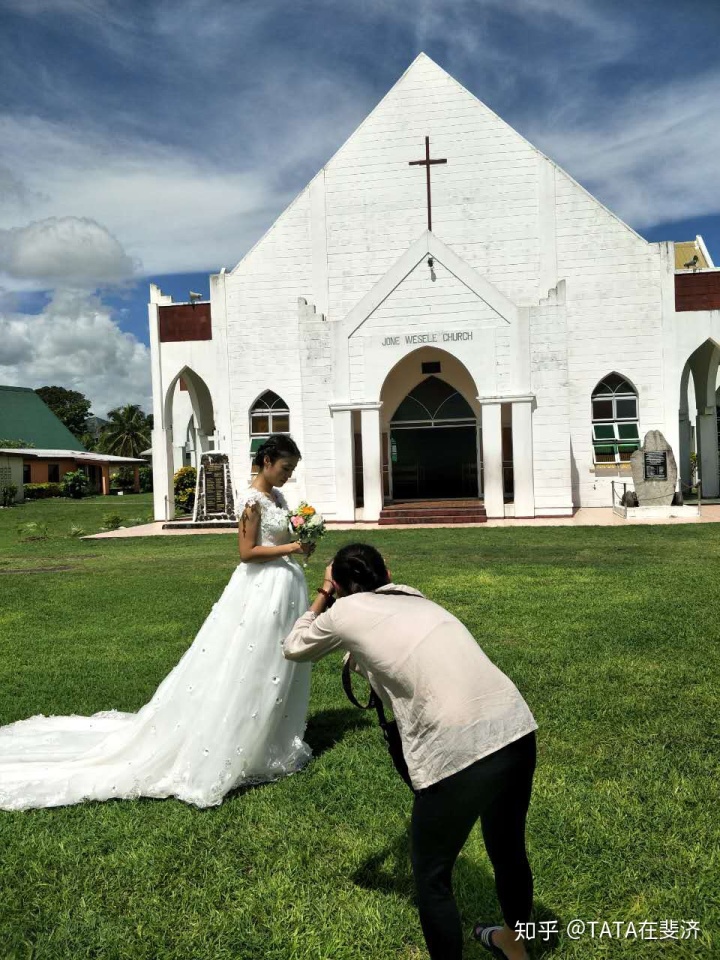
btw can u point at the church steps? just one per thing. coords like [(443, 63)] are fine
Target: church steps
[(429, 512)]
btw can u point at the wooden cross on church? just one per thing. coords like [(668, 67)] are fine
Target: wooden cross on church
[(427, 163)]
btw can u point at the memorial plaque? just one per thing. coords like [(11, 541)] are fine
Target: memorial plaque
[(654, 471), (656, 465), (214, 497), (215, 488)]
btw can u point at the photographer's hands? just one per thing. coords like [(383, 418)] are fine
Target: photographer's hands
[(325, 594)]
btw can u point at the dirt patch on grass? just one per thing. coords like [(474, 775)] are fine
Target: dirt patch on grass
[(60, 569)]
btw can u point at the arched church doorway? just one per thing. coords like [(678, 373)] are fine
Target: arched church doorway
[(434, 444), (430, 429)]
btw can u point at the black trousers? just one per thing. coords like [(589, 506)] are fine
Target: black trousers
[(496, 790)]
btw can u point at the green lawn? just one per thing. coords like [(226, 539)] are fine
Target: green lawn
[(611, 634)]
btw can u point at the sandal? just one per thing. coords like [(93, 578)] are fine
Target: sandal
[(483, 935)]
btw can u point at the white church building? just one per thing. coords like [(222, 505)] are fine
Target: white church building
[(476, 329)]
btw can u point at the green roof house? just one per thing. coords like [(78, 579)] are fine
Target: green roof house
[(54, 451), (24, 416)]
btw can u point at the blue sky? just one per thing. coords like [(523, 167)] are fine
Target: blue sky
[(159, 139)]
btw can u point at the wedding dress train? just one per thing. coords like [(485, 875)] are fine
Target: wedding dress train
[(231, 712)]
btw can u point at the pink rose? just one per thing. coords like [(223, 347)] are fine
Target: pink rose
[(298, 522)]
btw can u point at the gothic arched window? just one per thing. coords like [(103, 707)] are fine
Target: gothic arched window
[(615, 425), (269, 414), (431, 402)]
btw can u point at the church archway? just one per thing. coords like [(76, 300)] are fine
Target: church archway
[(698, 415), (184, 430), (430, 427), (200, 404)]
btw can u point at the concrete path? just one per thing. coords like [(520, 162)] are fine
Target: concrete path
[(584, 517)]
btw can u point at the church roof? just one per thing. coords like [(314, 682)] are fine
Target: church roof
[(24, 416)]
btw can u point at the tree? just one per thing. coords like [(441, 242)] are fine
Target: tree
[(75, 484), (69, 406), (15, 444), (127, 433)]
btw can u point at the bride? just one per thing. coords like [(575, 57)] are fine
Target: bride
[(231, 712)]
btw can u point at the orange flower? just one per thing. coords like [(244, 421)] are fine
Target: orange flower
[(307, 511)]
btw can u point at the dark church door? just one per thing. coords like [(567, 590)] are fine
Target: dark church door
[(433, 444)]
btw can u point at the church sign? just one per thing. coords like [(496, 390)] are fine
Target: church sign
[(426, 339)]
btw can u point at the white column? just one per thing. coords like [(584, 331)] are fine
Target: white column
[(492, 459), (344, 464), (708, 451), (522, 450), (162, 461), (372, 462)]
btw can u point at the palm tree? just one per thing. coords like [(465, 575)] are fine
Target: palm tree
[(127, 434)]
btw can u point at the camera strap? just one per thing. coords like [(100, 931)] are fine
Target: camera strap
[(389, 728)]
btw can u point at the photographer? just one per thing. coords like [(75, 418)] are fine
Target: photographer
[(467, 736)]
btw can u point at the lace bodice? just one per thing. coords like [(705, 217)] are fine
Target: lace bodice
[(273, 516)]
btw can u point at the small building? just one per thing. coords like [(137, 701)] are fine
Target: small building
[(11, 472), (50, 466), (55, 451)]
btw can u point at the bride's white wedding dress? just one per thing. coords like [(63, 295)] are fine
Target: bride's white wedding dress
[(231, 712)]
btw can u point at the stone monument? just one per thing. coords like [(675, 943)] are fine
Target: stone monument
[(654, 471), (214, 499)]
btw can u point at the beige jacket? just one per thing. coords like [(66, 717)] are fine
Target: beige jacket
[(452, 704)]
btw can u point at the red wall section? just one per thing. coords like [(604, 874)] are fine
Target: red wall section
[(697, 291), (181, 321)]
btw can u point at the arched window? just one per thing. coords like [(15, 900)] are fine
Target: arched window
[(433, 402), (616, 433), (269, 414)]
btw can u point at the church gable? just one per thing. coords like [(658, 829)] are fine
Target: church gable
[(429, 296), (501, 205), (484, 199), (429, 281)]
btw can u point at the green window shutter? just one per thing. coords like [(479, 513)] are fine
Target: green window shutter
[(256, 443)]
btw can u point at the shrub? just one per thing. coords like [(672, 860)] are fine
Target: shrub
[(124, 479), (75, 484), (7, 494), (76, 531), (146, 480), (32, 530), (41, 491), (185, 480), (111, 521)]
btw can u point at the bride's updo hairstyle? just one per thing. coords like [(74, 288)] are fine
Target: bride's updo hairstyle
[(276, 446), (359, 568)]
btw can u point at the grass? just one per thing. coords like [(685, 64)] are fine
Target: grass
[(611, 634)]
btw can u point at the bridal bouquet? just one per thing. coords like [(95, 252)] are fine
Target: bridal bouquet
[(306, 524)]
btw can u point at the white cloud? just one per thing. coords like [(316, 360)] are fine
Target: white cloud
[(654, 158), (70, 250), (74, 343), (172, 208), (235, 116)]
